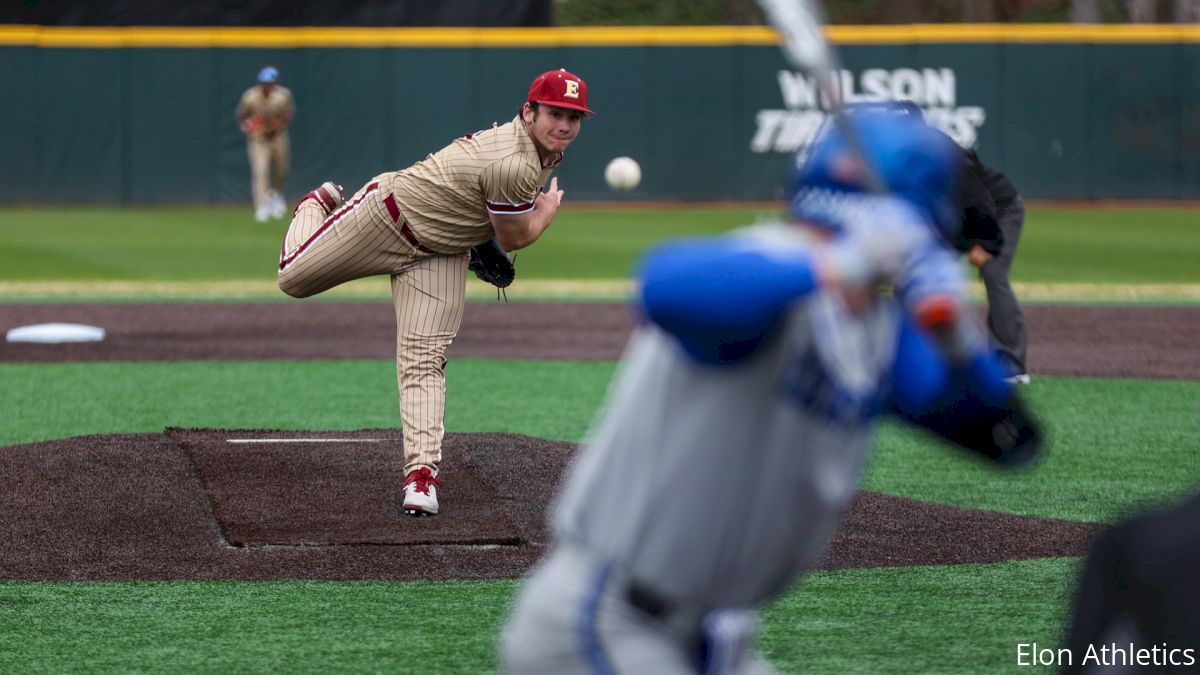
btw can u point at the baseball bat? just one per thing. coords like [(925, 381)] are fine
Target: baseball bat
[(800, 23), (805, 47)]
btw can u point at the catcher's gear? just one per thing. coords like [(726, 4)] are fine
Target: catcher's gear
[(491, 263)]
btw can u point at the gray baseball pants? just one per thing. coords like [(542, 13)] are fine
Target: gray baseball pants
[(1005, 320), (573, 615)]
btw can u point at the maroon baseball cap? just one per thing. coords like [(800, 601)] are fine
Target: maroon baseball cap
[(561, 89)]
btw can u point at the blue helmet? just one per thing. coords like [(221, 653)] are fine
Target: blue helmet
[(268, 74), (916, 163), (899, 107)]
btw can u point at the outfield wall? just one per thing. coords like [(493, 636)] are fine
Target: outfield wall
[(144, 115)]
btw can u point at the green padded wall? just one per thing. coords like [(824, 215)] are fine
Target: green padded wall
[(1083, 120)]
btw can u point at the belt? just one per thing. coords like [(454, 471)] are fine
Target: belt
[(407, 233), (720, 640), (686, 620), (405, 230), (648, 601)]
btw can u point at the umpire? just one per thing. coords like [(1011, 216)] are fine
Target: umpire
[(992, 218)]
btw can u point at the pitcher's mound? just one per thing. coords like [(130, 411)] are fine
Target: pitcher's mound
[(236, 504), (329, 488)]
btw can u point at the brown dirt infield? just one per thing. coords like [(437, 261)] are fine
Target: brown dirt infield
[(1076, 340), (190, 504)]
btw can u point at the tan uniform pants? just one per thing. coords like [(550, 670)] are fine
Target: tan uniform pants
[(361, 239), (270, 163)]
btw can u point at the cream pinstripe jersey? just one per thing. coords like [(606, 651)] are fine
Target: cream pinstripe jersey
[(276, 109), (447, 196)]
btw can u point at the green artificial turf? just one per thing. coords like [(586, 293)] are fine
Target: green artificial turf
[(180, 244), (243, 627), (605, 243), (1111, 245), (109, 243), (946, 619), (546, 399), (1114, 445)]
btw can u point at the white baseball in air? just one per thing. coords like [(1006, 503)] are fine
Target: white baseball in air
[(623, 173)]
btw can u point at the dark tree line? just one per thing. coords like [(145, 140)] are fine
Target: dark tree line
[(703, 12)]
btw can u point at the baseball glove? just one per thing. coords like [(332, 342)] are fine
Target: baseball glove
[(491, 263), (252, 125)]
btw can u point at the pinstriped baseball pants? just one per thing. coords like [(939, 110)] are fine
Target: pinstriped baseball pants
[(270, 162), (361, 239)]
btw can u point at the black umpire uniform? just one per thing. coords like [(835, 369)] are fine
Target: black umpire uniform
[(1140, 590), (993, 215)]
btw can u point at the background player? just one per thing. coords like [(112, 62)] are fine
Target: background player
[(264, 113), (417, 225), (741, 417)]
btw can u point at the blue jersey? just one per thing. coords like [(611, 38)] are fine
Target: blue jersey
[(720, 297), (716, 485), (741, 415)]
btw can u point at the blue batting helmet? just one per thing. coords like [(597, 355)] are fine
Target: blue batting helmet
[(901, 107), (916, 163), (268, 74)]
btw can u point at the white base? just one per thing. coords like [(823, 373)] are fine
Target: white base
[(56, 333)]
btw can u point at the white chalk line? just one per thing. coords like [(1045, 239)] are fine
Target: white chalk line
[(311, 440)]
